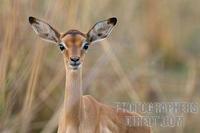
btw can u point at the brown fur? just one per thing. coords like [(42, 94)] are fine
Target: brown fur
[(87, 115), (83, 114), (110, 117), (73, 32), (99, 118), (73, 39)]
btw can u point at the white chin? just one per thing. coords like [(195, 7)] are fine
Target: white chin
[(75, 67)]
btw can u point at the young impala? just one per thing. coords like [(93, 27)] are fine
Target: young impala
[(83, 114)]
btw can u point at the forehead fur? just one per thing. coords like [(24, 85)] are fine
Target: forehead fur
[(73, 33), (73, 37)]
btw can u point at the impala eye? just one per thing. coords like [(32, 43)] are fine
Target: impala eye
[(61, 47), (86, 45)]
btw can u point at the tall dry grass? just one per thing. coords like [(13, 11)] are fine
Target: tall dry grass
[(151, 56)]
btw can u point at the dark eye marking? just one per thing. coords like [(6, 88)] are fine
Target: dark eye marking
[(86, 45), (61, 47), (99, 34)]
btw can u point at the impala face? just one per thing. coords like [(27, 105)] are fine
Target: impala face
[(73, 44)]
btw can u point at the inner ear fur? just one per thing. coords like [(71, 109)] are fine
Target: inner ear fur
[(101, 29), (44, 30)]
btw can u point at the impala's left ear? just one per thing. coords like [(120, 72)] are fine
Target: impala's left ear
[(101, 29)]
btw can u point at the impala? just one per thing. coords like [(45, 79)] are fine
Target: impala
[(84, 114)]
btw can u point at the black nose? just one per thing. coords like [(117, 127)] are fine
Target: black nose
[(74, 59)]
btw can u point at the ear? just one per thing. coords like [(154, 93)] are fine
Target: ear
[(101, 29), (44, 30)]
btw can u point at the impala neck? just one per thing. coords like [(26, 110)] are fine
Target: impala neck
[(73, 93)]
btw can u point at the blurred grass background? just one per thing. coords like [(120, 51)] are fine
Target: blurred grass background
[(151, 56)]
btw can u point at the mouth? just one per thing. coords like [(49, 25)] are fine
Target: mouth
[(74, 66)]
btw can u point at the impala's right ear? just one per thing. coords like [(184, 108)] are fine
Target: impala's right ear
[(44, 30)]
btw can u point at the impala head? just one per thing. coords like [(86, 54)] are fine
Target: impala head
[(73, 44)]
